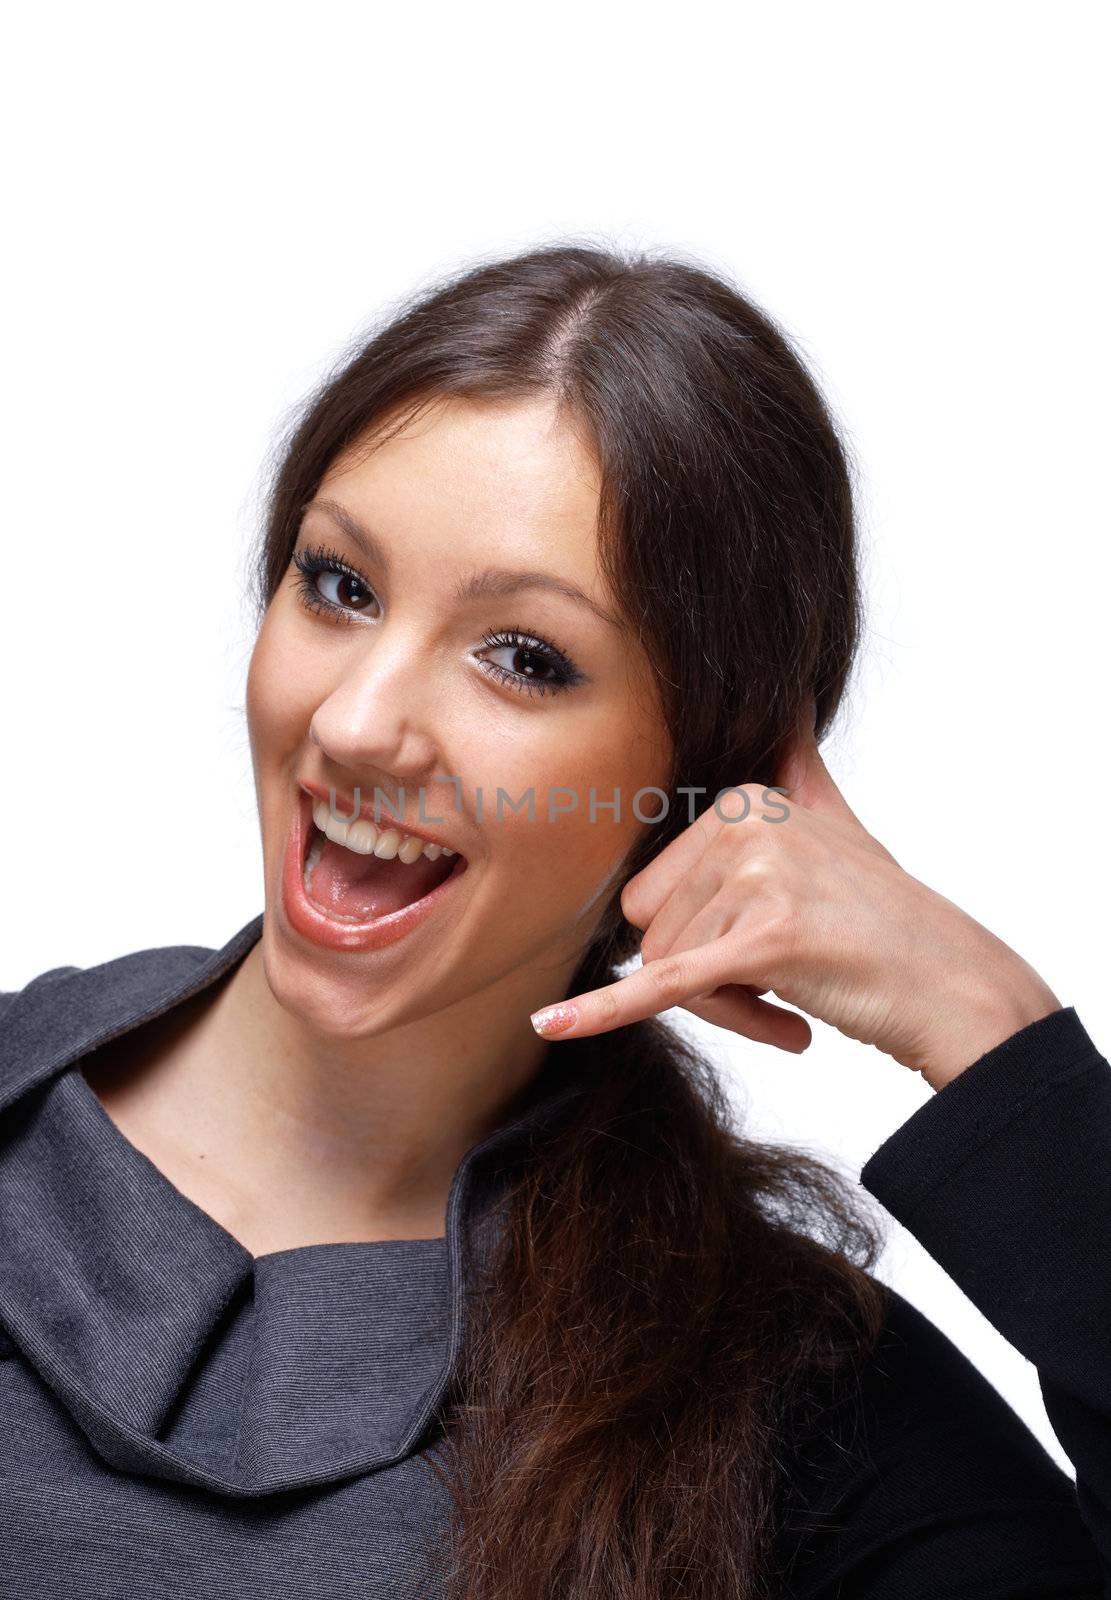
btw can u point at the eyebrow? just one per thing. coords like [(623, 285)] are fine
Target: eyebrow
[(489, 583)]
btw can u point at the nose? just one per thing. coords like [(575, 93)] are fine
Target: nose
[(378, 714)]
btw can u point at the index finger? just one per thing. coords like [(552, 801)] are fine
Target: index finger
[(656, 986)]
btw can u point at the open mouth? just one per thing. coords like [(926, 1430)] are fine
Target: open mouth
[(349, 883)]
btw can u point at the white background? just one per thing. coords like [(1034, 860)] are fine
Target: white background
[(205, 204)]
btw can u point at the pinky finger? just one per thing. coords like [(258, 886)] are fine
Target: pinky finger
[(738, 1007)]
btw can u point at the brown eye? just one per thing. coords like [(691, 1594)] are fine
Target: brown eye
[(348, 592), (327, 584), (530, 663)]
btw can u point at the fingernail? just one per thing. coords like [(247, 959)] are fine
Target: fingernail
[(554, 1019)]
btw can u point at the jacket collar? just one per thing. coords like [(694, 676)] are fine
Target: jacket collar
[(178, 1353)]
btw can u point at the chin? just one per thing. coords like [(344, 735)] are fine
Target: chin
[(330, 998)]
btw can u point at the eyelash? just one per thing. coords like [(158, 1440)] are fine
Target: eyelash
[(311, 562)]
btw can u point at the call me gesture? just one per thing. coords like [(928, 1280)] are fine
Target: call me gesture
[(817, 912)]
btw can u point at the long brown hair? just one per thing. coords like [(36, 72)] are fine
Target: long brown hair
[(666, 1292)]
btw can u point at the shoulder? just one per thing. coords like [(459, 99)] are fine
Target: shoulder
[(917, 1400), (914, 1463), (66, 1010), (152, 964), (7, 996), (13, 999)]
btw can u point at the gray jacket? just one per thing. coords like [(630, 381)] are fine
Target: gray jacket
[(178, 1417)]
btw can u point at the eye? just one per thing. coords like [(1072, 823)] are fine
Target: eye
[(535, 667), (330, 585), (333, 587)]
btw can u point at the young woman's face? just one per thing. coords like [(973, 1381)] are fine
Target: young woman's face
[(388, 662)]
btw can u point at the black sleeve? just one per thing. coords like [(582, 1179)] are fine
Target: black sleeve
[(919, 1482)]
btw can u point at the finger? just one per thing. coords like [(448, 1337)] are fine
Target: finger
[(749, 988), (677, 865), (652, 988), (646, 891), (735, 1006), (804, 776), (696, 912)]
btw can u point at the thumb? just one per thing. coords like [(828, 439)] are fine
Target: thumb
[(804, 775)]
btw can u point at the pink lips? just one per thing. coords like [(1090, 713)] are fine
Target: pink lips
[(312, 924)]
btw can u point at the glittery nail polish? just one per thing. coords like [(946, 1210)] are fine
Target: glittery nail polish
[(554, 1019)]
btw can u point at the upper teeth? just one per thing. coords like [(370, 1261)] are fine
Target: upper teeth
[(366, 839)]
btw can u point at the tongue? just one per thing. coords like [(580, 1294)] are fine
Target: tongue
[(364, 887)]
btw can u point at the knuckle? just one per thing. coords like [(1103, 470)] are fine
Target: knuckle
[(757, 871), (667, 976), (606, 1003), (628, 901), (737, 802)]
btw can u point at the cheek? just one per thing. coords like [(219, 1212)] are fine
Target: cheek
[(571, 854), (279, 694)]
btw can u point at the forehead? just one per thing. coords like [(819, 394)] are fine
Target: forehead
[(512, 480)]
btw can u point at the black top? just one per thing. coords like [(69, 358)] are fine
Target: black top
[(178, 1417)]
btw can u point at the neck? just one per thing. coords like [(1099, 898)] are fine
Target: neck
[(291, 1136)]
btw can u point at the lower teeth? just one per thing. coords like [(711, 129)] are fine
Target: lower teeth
[(312, 858)]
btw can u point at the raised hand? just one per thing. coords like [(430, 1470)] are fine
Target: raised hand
[(784, 890)]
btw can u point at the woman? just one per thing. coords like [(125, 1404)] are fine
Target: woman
[(325, 1270)]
